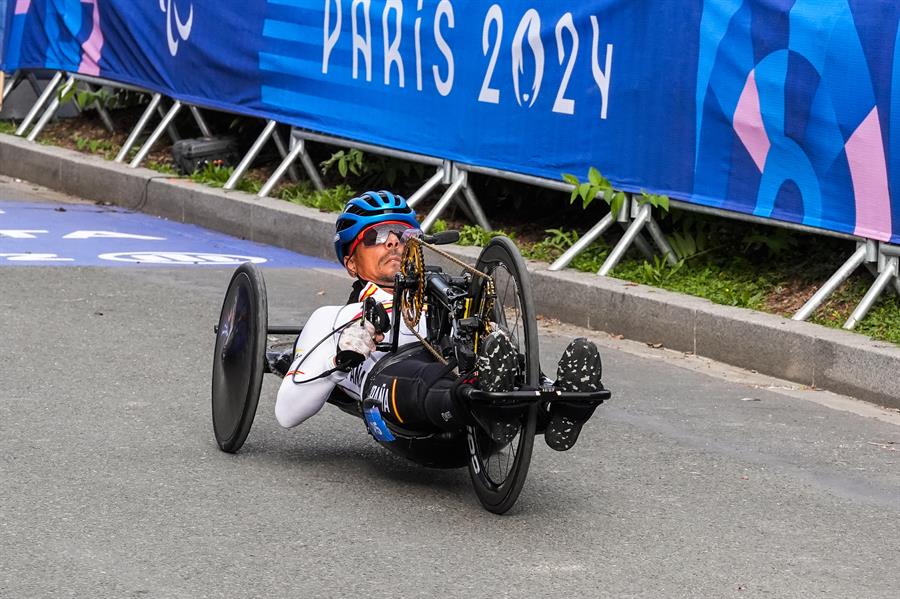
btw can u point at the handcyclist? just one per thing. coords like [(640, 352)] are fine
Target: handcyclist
[(409, 389)]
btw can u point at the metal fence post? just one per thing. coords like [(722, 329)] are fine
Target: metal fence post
[(267, 188), (250, 156), (584, 241), (631, 233), (283, 151), (201, 122), (139, 127), (157, 133), (39, 103), (841, 275), (435, 180), (51, 109), (886, 274), (443, 202)]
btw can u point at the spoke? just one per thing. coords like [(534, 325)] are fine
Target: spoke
[(509, 279)]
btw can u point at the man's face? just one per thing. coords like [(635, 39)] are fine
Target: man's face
[(378, 262)]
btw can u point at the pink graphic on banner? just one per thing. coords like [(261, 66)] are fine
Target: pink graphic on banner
[(22, 6), (868, 169), (748, 123), (90, 58)]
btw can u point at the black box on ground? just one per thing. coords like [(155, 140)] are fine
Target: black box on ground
[(194, 154)]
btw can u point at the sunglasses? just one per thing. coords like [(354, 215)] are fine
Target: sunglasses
[(380, 233)]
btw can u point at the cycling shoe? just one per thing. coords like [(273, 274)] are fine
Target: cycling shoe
[(579, 370)]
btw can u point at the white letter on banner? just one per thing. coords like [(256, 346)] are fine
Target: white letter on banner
[(601, 77), (530, 23), (419, 49), (563, 104), (392, 51), (20, 233), (109, 235), (360, 44), (491, 94), (331, 38), (444, 87)]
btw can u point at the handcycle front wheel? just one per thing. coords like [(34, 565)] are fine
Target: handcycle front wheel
[(238, 357), (498, 472)]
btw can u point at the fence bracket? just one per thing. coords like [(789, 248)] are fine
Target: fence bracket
[(269, 131), (39, 103), (457, 180), (299, 150), (139, 127), (888, 271), (157, 133), (642, 216)]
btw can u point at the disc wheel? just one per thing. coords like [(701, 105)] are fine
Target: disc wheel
[(498, 472), (238, 357)]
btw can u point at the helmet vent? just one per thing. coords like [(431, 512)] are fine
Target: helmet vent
[(372, 201)]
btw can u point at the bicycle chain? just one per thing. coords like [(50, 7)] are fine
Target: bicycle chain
[(412, 299)]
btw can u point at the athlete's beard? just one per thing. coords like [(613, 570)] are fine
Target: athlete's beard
[(388, 283)]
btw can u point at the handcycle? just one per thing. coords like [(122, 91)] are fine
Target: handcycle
[(458, 311)]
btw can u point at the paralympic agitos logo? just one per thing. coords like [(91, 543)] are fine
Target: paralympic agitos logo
[(170, 8)]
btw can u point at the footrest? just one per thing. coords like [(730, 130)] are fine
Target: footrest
[(522, 397)]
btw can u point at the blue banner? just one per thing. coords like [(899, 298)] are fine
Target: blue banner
[(784, 109), (3, 17)]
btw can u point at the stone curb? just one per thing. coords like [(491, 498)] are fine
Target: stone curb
[(805, 353)]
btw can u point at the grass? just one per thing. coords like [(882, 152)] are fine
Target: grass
[(104, 147), (8, 127), (331, 199), (881, 323), (161, 167)]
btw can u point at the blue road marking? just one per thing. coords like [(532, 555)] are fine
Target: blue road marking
[(52, 234)]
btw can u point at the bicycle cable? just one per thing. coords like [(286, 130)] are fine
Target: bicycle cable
[(312, 349)]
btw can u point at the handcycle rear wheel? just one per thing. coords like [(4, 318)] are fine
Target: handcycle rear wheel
[(238, 357), (498, 472)]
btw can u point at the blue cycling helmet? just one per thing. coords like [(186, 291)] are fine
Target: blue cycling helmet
[(371, 208)]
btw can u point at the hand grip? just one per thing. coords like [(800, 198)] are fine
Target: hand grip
[(376, 314), (442, 238), (348, 359)]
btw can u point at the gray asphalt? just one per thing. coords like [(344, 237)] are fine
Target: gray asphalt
[(696, 480)]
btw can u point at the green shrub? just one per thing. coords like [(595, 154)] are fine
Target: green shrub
[(475, 235), (332, 199)]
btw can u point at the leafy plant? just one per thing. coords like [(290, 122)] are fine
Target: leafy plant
[(475, 235), (773, 242), (332, 199), (688, 245), (347, 162), (216, 174), (213, 174), (439, 226), (552, 246), (85, 98), (160, 167), (655, 200), (372, 170), (95, 146), (599, 186), (591, 259), (392, 170), (660, 271)]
